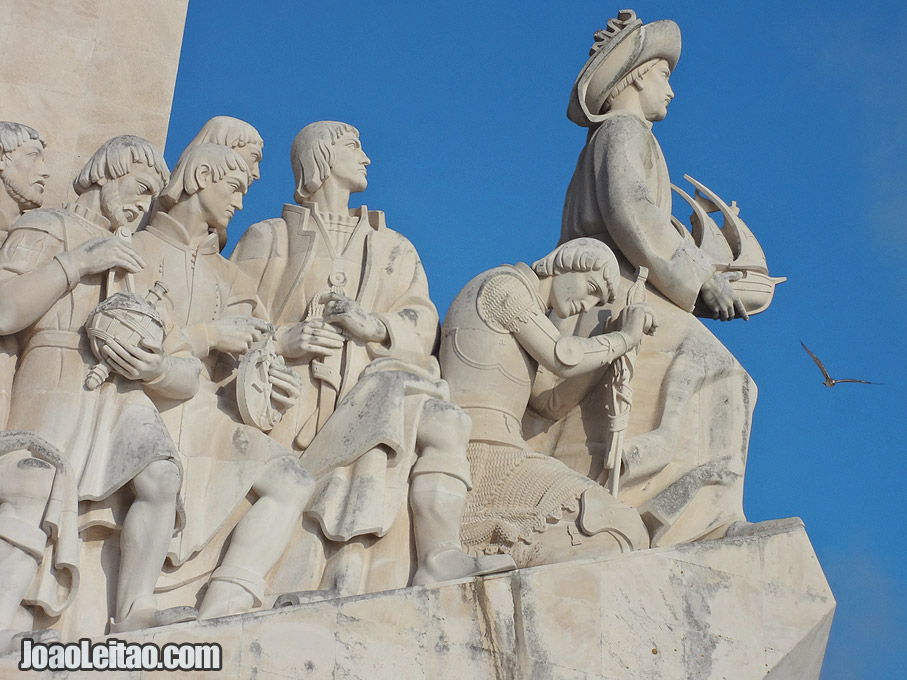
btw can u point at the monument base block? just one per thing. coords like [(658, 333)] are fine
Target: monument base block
[(756, 605)]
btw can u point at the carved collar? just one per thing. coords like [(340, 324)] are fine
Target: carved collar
[(306, 209), (90, 216), (169, 230)]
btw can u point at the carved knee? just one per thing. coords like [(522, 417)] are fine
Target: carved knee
[(444, 425), (23, 477), (159, 481), (285, 480)]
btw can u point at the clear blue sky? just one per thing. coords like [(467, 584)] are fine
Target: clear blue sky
[(796, 110)]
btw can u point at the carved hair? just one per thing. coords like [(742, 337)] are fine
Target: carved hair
[(312, 155), (581, 255), (218, 159), (14, 135), (629, 79), (228, 131), (115, 159)]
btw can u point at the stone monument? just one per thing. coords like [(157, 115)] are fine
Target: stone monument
[(274, 454), (374, 424), (684, 460), (58, 60), (23, 174)]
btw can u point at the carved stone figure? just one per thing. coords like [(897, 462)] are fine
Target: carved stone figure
[(684, 467), (217, 313), (23, 174), (355, 320), (494, 340), (52, 269), (238, 135)]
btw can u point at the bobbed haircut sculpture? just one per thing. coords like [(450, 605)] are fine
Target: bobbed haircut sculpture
[(312, 154), (115, 159), (581, 255), (228, 131), (218, 159), (13, 135)]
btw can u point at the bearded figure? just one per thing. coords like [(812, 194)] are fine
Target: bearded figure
[(23, 174), (71, 445)]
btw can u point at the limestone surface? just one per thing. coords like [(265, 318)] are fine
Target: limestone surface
[(752, 606), (82, 71), (257, 452)]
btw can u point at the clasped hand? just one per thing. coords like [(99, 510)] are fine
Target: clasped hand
[(286, 386), (310, 339), (235, 334), (349, 316), (143, 361), (637, 320), (103, 253), (720, 299)]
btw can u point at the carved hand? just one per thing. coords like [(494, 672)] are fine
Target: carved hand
[(137, 362), (720, 298), (348, 315), (103, 253), (286, 386), (636, 320), (309, 339), (235, 334)]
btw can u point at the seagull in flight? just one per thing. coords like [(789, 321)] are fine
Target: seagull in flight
[(829, 381)]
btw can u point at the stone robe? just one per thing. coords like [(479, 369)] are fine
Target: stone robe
[(107, 435), (221, 457), (363, 458), (9, 352), (620, 193)]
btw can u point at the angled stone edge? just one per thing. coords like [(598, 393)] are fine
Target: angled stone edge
[(752, 606)]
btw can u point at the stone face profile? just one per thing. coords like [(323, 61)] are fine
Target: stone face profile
[(214, 312), (683, 459), (23, 174), (188, 438), (242, 138), (52, 269), (373, 422)]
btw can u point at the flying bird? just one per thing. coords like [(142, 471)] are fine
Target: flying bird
[(829, 381)]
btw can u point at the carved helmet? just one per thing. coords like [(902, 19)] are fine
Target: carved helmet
[(618, 49)]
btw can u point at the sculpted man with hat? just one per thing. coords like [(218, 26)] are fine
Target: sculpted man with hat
[(683, 464)]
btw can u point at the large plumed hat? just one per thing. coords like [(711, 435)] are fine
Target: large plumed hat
[(624, 45)]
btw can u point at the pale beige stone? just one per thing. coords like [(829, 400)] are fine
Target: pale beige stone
[(319, 653), (60, 65), (553, 609), (500, 353), (398, 625), (60, 60), (355, 322), (80, 20), (611, 615), (682, 464), (66, 444)]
